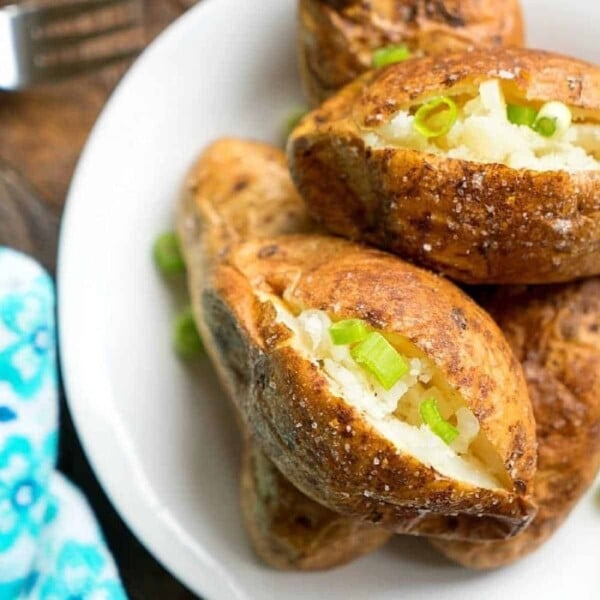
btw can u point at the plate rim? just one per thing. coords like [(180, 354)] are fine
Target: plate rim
[(173, 30)]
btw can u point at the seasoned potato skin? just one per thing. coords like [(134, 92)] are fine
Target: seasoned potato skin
[(320, 443), (289, 530), (475, 222), (266, 379), (244, 189), (555, 332), (337, 38)]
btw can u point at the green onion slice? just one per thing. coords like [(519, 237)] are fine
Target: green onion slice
[(436, 117), (554, 119), (348, 332), (380, 358), (521, 115), (433, 419), (390, 55), (294, 119), (167, 254), (545, 126), (186, 338)]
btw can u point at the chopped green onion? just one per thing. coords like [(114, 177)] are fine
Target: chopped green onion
[(436, 117), (348, 332), (545, 126), (381, 359), (186, 338), (554, 119), (521, 115), (167, 254), (433, 419), (390, 55), (293, 120)]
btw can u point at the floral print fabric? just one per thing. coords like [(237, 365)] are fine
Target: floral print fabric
[(50, 545)]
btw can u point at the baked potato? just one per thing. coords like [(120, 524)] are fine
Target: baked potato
[(425, 158), (289, 530), (337, 38), (337, 430), (556, 334), (252, 193)]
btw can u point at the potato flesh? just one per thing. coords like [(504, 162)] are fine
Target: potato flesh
[(393, 413), (483, 133)]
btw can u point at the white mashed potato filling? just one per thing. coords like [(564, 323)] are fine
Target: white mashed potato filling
[(482, 133), (394, 413)]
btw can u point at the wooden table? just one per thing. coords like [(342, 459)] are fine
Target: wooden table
[(41, 134)]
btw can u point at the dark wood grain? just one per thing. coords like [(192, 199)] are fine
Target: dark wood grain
[(43, 130), (42, 134), (26, 223)]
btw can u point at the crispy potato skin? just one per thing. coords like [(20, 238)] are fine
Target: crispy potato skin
[(289, 530), (242, 189), (555, 332), (475, 222), (537, 75), (337, 38), (320, 443)]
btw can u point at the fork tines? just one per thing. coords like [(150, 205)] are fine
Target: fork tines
[(46, 14), (47, 42)]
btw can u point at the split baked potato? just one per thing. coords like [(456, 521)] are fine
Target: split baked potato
[(555, 333), (427, 159), (337, 38), (346, 439)]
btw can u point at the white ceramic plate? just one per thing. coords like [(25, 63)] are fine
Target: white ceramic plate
[(159, 436)]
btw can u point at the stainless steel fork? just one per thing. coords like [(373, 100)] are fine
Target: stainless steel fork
[(27, 39)]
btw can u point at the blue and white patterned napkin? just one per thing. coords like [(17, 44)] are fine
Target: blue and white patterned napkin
[(50, 545)]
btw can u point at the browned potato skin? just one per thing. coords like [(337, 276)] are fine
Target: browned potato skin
[(245, 189), (477, 223), (320, 443), (289, 530), (265, 381), (555, 332), (337, 38)]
